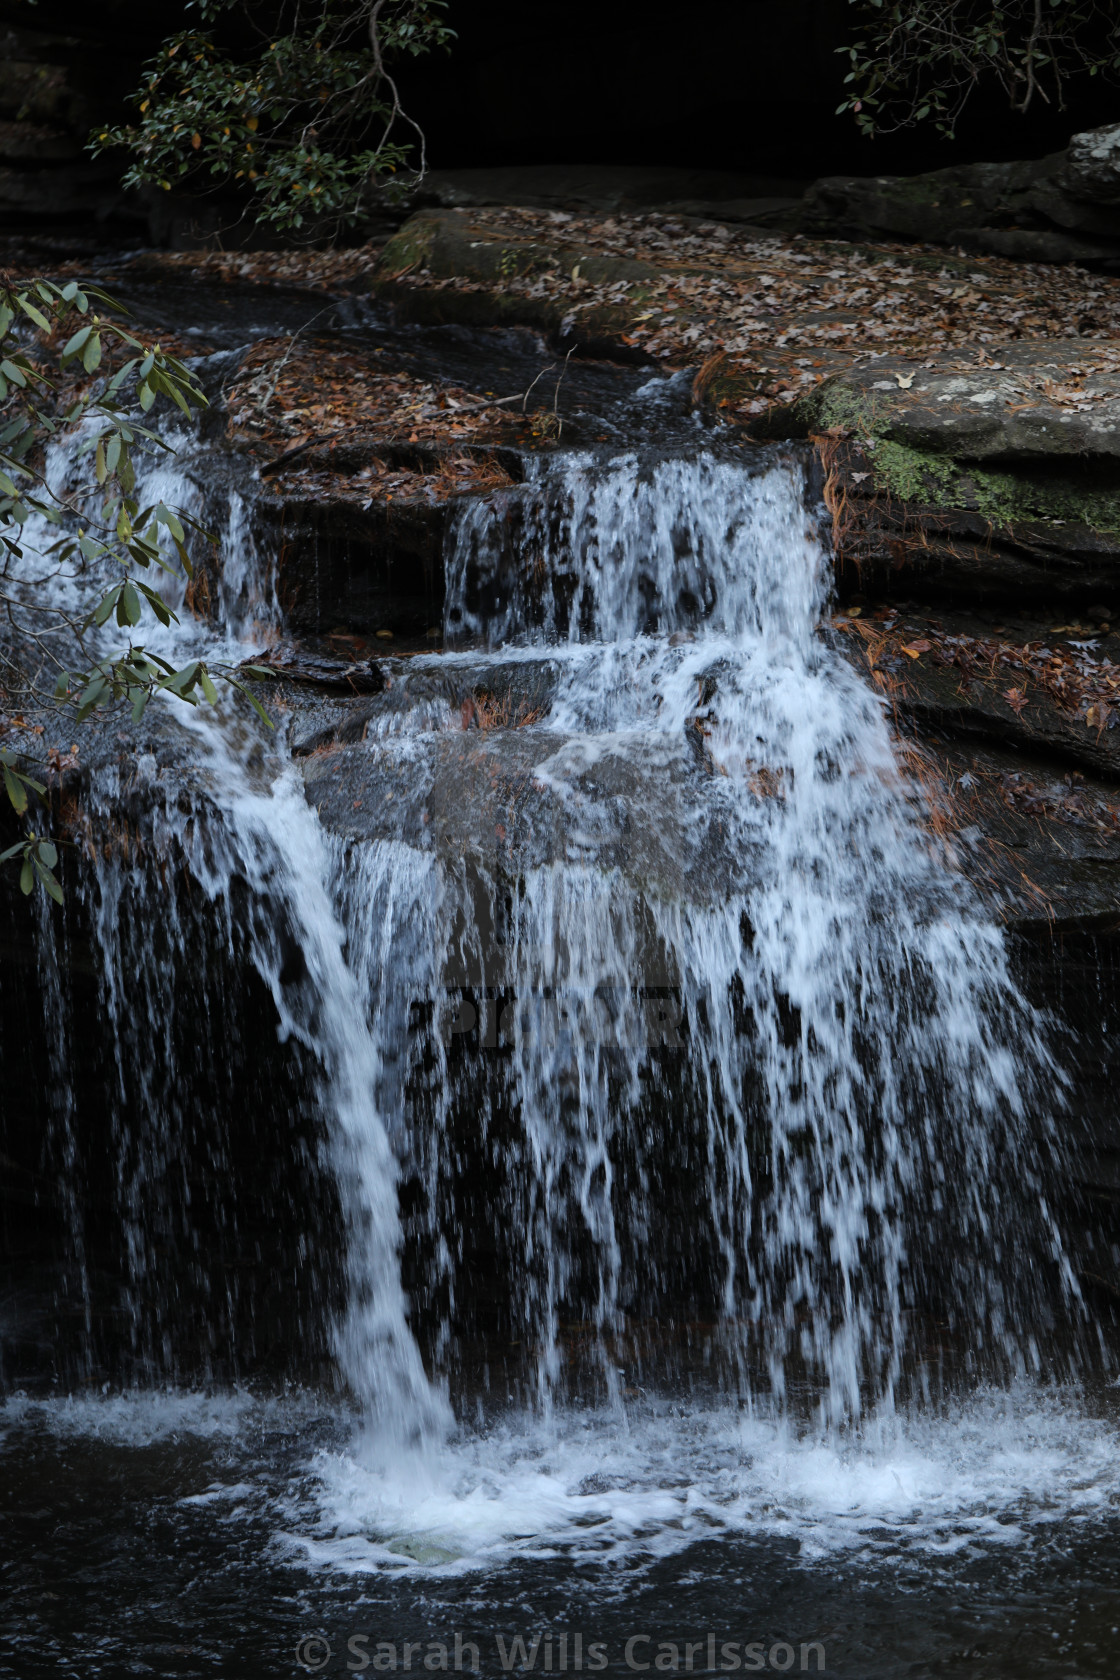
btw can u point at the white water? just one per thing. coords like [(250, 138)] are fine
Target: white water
[(992, 1472), (878, 1065), (1004, 1470), (887, 1053), (248, 822)]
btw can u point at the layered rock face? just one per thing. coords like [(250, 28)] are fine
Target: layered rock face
[(1061, 208)]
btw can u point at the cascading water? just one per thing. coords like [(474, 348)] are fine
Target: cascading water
[(858, 1064), (692, 1056), (243, 834)]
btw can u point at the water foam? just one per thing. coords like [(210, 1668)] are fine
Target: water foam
[(603, 1490)]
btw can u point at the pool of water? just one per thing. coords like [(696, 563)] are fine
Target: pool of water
[(189, 1534)]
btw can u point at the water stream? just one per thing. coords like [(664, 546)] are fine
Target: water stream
[(691, 1144)]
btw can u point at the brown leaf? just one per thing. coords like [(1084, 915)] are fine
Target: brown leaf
[(1016, 698)]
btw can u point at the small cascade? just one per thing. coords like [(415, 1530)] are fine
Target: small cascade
[(649, 1035), (210, 862), (852, 1071)]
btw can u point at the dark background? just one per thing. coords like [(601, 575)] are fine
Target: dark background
[(743, 86)]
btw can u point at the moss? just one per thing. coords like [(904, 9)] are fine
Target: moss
[(1003, 498), (1065, 490), (836, 404), (410, 247), (915, 475)]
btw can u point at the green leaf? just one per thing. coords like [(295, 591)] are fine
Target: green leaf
[(253, 701), (92, 696), (182, 681), (128, 606), (184, 559), (17, 793), (49, 882), (104, 607), (26, 877), (47, 853), (166, 517), (207, 686), (158, 605), (73, 345), (119, 377), (32, 313), (91, 355)]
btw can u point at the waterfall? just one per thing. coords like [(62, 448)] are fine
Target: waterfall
[(720, 1029), (869, 1092), (237, 831)]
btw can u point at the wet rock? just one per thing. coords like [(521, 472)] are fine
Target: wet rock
[(1041, 845), (938, 206), (523, 798), (943, 698), (358, 533), (899, 550), (1023, 402), (435, 693), (445, 245), (365, 568), (294, 665)]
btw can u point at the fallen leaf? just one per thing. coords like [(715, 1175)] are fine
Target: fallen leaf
[(916, 649), (1016, 698)]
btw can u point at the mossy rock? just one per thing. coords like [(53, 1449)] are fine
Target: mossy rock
[(1027, 439), (449, 246), (446, 245)]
